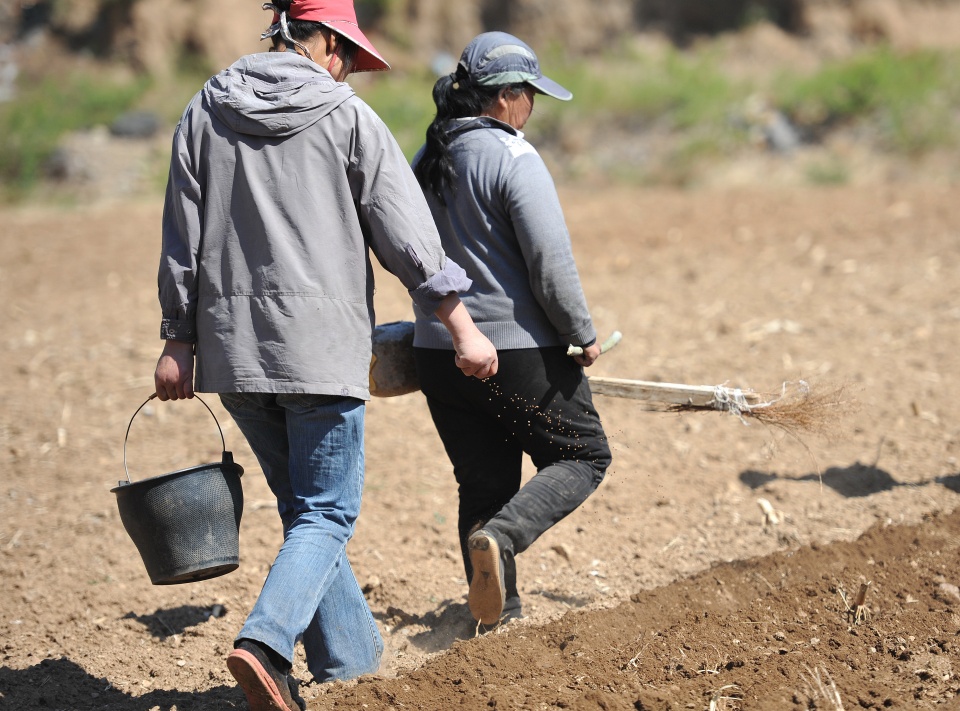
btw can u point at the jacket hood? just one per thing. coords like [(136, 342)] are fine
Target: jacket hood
[(274, 94)]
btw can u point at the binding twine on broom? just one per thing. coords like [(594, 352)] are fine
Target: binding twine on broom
[(798, 408)]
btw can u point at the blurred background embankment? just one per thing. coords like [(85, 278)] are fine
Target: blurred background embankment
[(688, 93)]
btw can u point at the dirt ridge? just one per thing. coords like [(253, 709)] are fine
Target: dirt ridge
[(669, 638)]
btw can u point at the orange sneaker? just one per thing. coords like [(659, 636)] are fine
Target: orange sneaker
[(265, 686)]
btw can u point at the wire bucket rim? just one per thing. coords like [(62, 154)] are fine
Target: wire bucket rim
[(159, 478)]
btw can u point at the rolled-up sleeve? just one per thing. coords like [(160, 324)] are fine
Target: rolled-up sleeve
[(451, 279)]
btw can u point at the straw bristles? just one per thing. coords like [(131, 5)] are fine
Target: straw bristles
[(806, 409), (798, 408)]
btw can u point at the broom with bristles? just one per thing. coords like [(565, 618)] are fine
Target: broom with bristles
[(797, 407)]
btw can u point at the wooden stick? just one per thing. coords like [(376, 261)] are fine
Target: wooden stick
[(671, 393)]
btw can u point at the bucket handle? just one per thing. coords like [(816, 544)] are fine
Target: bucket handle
[(223, 442)]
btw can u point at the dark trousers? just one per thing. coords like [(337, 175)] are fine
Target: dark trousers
[(539, 403)]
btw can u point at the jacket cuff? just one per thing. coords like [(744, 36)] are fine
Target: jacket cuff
[(452, 279), (176, 330), (584, 337)]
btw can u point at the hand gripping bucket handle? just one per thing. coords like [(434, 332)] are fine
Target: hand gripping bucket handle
[(185, 524)]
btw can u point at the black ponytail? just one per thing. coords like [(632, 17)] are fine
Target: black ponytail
[(456, 96)]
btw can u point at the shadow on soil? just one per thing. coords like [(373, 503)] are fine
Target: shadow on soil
[(167, 623), (63, 684), (853, 481), (952, 482)]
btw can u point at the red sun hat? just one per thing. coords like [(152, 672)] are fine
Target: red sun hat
[(341, 17)]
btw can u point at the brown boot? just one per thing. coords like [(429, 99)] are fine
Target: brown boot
[(487, 592)]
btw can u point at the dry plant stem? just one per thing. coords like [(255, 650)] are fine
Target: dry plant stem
[(857, 612), (634, 661), (822, 688), (771, 517), (718, 702)]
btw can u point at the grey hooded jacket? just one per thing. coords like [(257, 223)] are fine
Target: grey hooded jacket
[(281, 183)]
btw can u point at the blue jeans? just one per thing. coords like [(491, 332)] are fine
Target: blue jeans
[(310, 448)]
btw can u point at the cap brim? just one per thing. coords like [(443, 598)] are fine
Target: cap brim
[(368, 58), (550, 88)]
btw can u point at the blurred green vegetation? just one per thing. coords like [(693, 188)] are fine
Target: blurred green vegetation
[(689, 92), (43, 112), (907, 104), (404, 100), (372, 12), (911, 100), (829, 171), (689, 89)]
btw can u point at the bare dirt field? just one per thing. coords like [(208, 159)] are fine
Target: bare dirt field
[(666, 590)]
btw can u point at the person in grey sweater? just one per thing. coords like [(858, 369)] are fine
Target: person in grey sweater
[(281, 183), (499, 217)]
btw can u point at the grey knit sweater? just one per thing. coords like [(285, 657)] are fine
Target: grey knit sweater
[(505, 227)]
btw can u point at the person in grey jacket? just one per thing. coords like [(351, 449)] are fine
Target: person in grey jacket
[(499, 216), (281, 183)]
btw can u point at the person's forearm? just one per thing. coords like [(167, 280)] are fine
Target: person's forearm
[(455, 317), (475, 354)]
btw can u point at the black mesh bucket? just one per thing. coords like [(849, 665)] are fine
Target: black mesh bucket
[(185, 524)]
